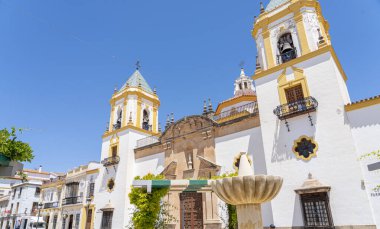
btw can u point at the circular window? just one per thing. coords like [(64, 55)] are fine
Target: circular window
[(305, 148)]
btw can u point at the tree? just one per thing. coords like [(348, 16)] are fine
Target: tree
[(12, 148)]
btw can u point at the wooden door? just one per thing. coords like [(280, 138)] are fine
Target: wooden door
[(191, 210), (89, 219)]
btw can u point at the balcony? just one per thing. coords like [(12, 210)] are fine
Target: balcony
[(287, 56), (72, 200), (110, 161), (238, 112), (51, 205), (148, 141), (297, 108)]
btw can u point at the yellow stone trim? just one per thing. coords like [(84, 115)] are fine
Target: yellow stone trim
[(305, 49), (84, 216), (232, 117), (283, 84), (111, 118), (139, 93), (363, 104), (154, 129), (300, 59), (234, 101), (124, 118), (138, 112), (93, 171), (129, 127), (268, 49), (264, 19), (113, 142), (313, 154)]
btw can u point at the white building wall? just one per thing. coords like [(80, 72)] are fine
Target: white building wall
[(336, 162), (249, 141), (154, 164), (123, 175), (365, 127)]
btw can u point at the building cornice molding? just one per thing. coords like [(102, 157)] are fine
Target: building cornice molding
[(363, 103)]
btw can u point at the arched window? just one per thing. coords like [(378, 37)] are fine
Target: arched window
[(286, 48), (145, 124), (117, 125)]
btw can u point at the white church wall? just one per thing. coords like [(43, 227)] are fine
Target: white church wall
[(365, 127), (151, 164), (336, 163), (250, 141)]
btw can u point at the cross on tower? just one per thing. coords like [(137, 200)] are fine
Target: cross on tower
[(242, 64), (138, 66)]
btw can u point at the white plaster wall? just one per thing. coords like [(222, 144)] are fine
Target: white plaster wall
[(151, 164), (336, 162), (25, 200), (250, 141), (123, 174), (365, 126)]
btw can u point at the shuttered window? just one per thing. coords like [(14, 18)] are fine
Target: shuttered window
[(294, 94)]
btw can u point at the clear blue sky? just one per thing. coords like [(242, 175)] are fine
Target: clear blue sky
[(61, 59)]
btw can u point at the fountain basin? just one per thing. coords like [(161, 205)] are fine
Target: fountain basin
[(247, 189)]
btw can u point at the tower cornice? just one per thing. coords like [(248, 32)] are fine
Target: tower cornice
[(325, 49)]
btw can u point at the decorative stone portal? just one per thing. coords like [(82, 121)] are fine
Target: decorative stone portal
[(191, 210)]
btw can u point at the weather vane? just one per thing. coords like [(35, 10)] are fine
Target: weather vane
[(242, 64), (138, 66)]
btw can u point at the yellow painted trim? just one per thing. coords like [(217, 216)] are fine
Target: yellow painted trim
[(305, 49), (124, 118), (268, 49), (300, 59), (92, 171), (111, 118), (314, 154), (232, 117), (154, 129), (363, 104), (283, 84), (126, 128), (138, 111), (114, 141), (139, 93), (234, 101)]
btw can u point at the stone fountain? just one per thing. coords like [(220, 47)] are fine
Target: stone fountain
[(247, 192)]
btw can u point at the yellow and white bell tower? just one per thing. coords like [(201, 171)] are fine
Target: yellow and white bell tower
[(301, 92), (134, 106)]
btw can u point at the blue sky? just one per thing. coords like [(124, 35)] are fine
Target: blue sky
[(60, 60)]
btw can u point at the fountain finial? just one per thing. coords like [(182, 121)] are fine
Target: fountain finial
[(244, 166)]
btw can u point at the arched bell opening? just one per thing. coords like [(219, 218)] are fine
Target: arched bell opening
[(286, 48), (145, 123), (119, 114)]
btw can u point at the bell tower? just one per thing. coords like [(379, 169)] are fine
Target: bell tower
[(301, 92), (133, 118), (134, 106)]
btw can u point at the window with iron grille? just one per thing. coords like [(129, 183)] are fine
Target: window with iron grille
[(107, 220), (55, 219), (316, 210), (63, 223), (294, 94), (91, 189)]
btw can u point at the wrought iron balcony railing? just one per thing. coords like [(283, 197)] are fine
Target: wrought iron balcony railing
[(238, 112), (111, 161), (72, 200), (288, 56), (299, 107), (51, 205)]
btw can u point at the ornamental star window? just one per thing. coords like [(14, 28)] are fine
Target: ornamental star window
[(305, 148)]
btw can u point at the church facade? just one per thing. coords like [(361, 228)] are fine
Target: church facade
[(293, 117)]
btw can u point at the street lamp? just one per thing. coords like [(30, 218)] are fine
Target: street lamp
[(39, 206)]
